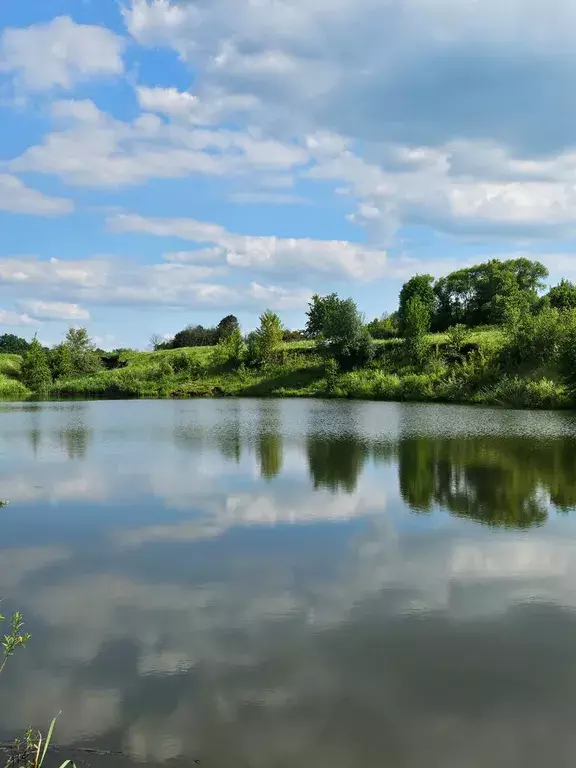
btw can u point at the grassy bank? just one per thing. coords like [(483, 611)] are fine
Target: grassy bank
[(301, 372)]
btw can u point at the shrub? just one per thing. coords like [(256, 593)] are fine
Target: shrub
[(533, 340), (265, 340), (35, 370), (417, 386), (525, 393), (457, 336), (416, 325), (229, 350), (331, 373)]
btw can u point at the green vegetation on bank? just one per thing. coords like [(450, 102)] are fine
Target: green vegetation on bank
[(487, 334)]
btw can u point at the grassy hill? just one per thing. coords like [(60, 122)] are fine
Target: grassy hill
[(301, 372)]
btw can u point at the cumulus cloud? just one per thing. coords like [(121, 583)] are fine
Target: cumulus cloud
[(338, 257), (91, 148), (418, 71), (9, 317), (60, 53), (206, 110), (108, 281), (54, 310), (16, 197)]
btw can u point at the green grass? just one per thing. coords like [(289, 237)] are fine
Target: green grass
[(191, 373), (10, 365)]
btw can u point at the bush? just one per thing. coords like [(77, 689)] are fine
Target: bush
[(35, 370), (417, 386), (385, 327), (263, 343), (416, 324), (525, 393), (534, 340), (229, 350), (332, 371), (457, 335)]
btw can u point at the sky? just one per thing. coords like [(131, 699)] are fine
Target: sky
[(167, 162)]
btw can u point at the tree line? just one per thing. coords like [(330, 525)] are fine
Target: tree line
[(510, 294)]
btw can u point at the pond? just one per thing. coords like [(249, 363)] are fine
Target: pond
[(292, 583)]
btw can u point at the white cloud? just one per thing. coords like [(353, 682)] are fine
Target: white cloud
[(209, 109), (60, 53), (338, 257), (8, 317), (67, 285), (94, 149), (54, 310), (16, 197)]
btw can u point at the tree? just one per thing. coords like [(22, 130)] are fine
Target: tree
[(416, 326), (265, 340), (82, 351), (61, 362), (420, 286), (385, 327), (195, 336), (563, 295), (485, 294), (317, 310), (229, 350), (35, 371), (13, 345), (227, 326), (158, 342), (344, 336)]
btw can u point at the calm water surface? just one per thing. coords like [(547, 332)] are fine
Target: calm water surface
[(293, 583)]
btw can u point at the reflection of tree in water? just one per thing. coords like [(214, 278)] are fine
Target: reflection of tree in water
[(336, 461), (269, 444), (75, 440), (497, 481), (228, 438)]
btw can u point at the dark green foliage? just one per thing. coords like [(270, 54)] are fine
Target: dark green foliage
[(197, 336), (457, 336), (35, 372), (416, 326), (227, 326), (229, 351), (61, 363), (332, 371), (534, 340), (385, 327), (563, 295), (344, 335), (317, 311), (418, 286), (13, 345), (83, 357), (486, 293), (263, 343), (293, 335)]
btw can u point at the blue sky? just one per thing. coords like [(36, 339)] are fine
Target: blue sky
[(165, 163)]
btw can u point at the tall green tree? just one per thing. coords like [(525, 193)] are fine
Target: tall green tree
[(344, 335), (563, 295), (416, 326), (420, 286), (35, 371), (264, 342), (13, 345), (486, 293), (227, 326), (82, 352), (61, 362), (318, 308)]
